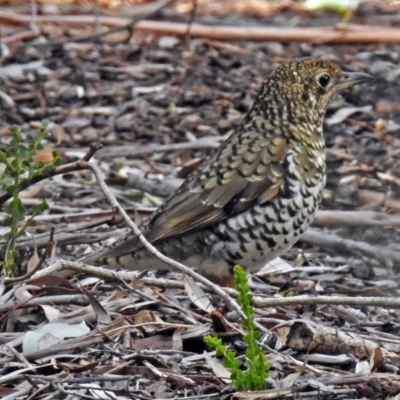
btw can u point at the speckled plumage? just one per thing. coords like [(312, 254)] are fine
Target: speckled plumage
[(258, 193)]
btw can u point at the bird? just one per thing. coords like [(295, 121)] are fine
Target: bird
[(253, 198)]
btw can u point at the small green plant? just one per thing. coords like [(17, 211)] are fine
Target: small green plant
[(18, 169), (252, 374)]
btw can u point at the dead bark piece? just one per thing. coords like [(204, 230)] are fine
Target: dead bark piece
[(327, 340)]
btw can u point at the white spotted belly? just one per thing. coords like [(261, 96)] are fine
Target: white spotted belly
[(262, 233)]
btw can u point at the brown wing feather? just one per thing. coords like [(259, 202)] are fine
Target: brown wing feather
[(247, 168)]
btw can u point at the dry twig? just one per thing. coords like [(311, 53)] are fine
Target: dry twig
[(345, 34), (385, 302), (332, 241)]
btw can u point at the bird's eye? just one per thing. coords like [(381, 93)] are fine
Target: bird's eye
[(323, 80)]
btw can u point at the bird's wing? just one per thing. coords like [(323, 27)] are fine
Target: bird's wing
[(248, 169)]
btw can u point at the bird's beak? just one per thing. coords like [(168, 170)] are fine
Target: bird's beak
[(353, 78)]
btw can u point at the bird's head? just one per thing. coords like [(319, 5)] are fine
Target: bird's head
[(293, 100), (310, 84)]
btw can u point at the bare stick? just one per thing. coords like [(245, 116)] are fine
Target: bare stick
[(69, 299), (134, 151), (347, 34), (355, 218), (386, 302), (330, 240)]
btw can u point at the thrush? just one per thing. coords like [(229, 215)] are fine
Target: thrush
[(252, 199)]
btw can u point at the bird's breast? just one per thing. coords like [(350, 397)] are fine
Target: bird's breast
[(256, 236)]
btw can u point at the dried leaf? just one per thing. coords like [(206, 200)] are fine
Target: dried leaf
[(52, 333), (197, 295), (52, 313)]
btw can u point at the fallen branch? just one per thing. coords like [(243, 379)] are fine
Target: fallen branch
[(333, 218), (332, 241), (344, 34), (386, 302), (20, 36), (78, 299), (135, 151)]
